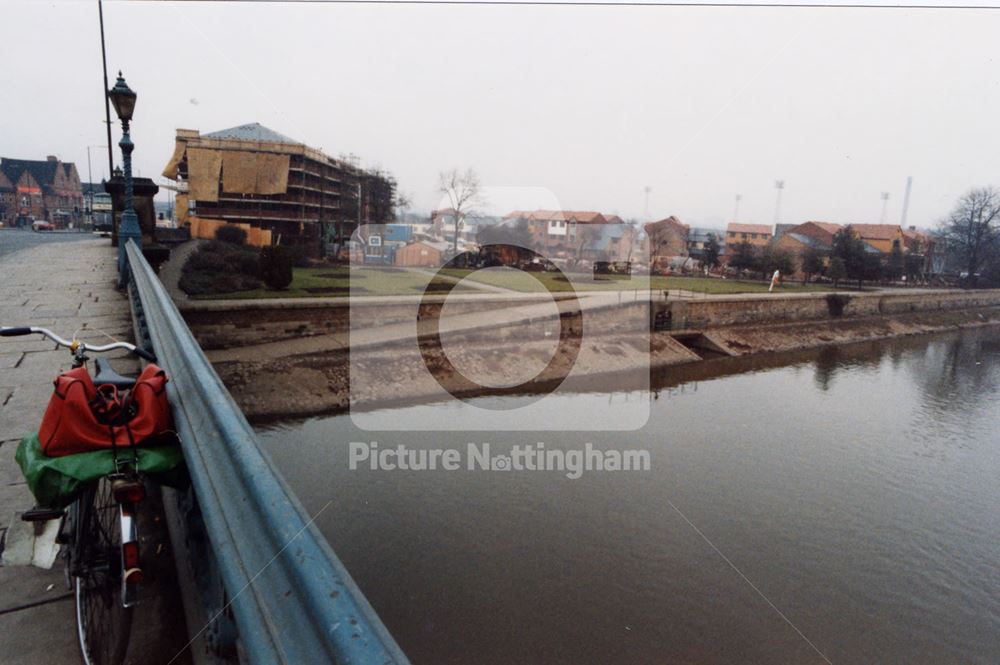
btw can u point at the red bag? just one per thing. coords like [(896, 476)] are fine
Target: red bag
[(81, 418)]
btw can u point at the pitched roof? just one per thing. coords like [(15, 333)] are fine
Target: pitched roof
[(5, 184), (914, 239), (251, 132), (586, 216), (580, 216), (733, 227), (808, 241), (916, 233), (43, 171), (670, 222), (781, 229), (877, 231), (829, 227)]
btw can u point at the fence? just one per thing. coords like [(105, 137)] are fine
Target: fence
[(271, 588), (206, 228)]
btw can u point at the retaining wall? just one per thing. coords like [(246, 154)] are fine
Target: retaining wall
[(718, 312), (220, 325)]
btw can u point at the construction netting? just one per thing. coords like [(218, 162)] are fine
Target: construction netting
[(247, 172), (205, 228), (204, 167), (181, 208), (171, 169), (272, 173)]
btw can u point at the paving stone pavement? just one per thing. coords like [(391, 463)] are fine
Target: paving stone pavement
[(67, 287)]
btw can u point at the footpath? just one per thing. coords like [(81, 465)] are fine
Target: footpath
[(66, 287)]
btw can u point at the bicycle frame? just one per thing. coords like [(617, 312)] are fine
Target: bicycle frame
[(127, 488)]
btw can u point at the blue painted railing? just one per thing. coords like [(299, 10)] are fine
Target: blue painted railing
[(289, 597)]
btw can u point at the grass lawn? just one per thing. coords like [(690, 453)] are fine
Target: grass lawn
[(342, 281), (524, 282), (714, 285)]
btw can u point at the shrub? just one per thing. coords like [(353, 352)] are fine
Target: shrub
[(220, 267), (202, 260), (232, 234), (298, 255), (209, 283), (249, 264), (275, 267)]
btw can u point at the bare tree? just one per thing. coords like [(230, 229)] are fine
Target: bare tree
[(462, 190), (402, 203), (972, 230)]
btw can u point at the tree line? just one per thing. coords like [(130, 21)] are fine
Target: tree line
[(967, 246), (971, 236)]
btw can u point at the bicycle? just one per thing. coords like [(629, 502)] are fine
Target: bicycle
[(98, 532)]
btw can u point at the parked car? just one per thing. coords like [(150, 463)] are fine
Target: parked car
[(40, 225)]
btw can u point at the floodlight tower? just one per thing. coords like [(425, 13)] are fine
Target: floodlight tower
[(906, 201), (780, 186), (885, 203), (736, 208)]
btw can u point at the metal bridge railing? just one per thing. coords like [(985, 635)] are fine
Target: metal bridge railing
[(289, 597)]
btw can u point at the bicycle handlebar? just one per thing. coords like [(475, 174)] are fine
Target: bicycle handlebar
[(73, 344)]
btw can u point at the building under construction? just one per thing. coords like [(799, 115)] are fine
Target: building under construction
[(279, 189)]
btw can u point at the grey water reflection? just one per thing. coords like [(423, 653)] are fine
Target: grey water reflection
[(855, 487)]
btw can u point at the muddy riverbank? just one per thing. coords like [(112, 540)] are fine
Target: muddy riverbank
[(269, 388)]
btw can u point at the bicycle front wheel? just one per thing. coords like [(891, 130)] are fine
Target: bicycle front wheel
[(103, 624)]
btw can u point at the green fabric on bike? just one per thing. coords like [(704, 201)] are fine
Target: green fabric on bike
[(56, 481)]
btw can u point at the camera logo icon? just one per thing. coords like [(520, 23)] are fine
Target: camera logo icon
[(519, 322)]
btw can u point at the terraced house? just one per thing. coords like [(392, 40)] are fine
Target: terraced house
[(40, 190), (877, 239), (755, 234), (572, 234)]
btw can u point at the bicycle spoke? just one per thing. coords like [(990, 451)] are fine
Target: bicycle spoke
[(103, 623)]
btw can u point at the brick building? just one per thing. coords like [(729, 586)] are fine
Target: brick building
[(668, 239), (253, 175), (568, 234), (758, 235), (821, 232), (882, 237), (44, 190)]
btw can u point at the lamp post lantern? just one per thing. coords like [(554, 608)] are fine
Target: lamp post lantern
[(123, 99)]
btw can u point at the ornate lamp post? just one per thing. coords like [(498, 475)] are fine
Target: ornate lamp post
[(123, 99)]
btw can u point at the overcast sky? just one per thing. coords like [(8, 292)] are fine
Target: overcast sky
[(589, 103)]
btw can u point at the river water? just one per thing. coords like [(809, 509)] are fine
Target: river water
[(841, 505)]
